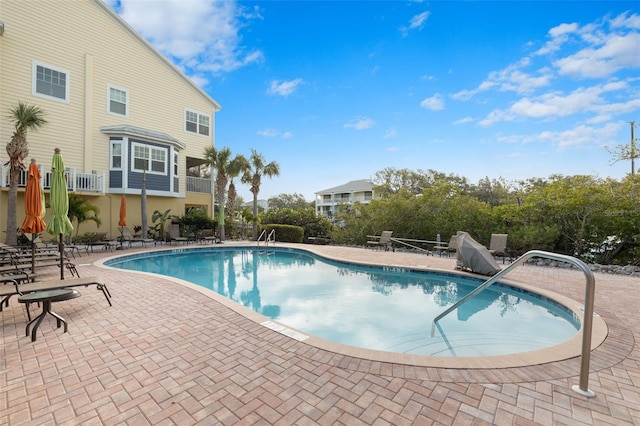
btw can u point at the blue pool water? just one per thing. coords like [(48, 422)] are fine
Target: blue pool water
[(381, 308)]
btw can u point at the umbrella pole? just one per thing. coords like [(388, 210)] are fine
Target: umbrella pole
[(33, 253), (61, 249)]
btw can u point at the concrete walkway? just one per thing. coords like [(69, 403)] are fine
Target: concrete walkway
[(166, 353)]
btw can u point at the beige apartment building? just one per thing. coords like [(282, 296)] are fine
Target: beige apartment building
[(115, 107), (332, 200)]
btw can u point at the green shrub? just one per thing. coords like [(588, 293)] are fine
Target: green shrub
[(285, 233), (313, 225)]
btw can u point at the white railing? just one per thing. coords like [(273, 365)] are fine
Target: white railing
[(198, 184), (76, 181)]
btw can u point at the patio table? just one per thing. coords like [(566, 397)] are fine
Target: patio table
[(47, 297)]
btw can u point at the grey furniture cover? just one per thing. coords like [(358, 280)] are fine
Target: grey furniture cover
[(475, 257)]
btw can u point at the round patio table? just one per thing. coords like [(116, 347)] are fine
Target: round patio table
[(47, 297)]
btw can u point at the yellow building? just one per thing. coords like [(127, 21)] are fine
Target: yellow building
[(115, 107)]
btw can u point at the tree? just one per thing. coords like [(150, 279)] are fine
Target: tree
[(219, 160), (82, 211), (390, 181), (25, 118), (258, 167), (238, 166), (578, 207), (289, 201), (626, 152)]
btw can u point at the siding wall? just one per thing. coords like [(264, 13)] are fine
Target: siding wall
[(84, 38), (81, 37)]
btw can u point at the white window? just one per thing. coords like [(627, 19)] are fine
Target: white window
[(116, 154), (117, 100), (50, 82), (175, 164), (150, 158), (196, 122)]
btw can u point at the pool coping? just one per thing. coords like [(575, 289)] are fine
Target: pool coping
[(572, 348)]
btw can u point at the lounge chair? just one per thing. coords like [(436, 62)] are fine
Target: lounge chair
[(174, 234), (7, 284), (20, 263), (450, 248), (383, 241), (208, 235), (129, 238), (12, 287), (100, 239), (498, 246)]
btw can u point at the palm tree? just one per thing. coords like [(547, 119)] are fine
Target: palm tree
[(25, 118), (82, 211), (258, 167), (238, 166), (219, 160)]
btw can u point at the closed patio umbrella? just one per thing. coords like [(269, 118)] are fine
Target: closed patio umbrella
[(123, 218), (33, 209), (59, 224)]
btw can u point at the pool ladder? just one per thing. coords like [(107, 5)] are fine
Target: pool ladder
[(583, 387), (271, 237)]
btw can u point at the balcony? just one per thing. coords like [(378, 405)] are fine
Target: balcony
[(92, 182), (198, 184), (76, 181)]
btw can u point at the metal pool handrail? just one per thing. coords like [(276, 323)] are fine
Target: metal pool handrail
[(583, 387), (267, 238)]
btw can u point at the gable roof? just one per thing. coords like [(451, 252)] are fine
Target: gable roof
[(141, 39), (353, 186)]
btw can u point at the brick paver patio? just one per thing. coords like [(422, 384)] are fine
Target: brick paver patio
[(168, 354)]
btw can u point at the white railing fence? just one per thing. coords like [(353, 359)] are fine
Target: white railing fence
[(76, 181)]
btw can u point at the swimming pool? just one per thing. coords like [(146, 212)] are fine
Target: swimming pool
[(377, 308)]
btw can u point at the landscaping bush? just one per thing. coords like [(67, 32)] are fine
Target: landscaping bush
[(312, 224), (285, 233)]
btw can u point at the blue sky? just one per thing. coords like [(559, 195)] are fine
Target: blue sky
[(337, 90)]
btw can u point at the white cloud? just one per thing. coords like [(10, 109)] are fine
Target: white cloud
[(269, 133), (203, 37), (415, 23), (579, 136), (496, 116), (390, 133), (284, 87), (360, 124), (585, 135), (559, 36), (465, 95), (556, 104), (464, 120), (434, 103), (563, 29), (273, 133), (510, 79), (619, 51), (625, 21)]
